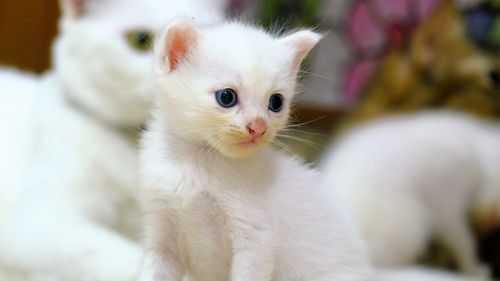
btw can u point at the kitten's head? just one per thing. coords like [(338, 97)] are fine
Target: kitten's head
[(228, 87), (102, 54)]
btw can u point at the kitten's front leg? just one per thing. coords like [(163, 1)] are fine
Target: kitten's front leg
[(253, 244), (253, 258), (160, 266), (161, 257)]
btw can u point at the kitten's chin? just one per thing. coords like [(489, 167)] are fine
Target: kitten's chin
[(240, 151), (237, 150)]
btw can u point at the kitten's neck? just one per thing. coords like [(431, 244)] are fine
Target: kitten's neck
[(200, 152)]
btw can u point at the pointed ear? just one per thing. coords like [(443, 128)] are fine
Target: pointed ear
[(429, 42), (302, 43), (72, 8), (179, 39)]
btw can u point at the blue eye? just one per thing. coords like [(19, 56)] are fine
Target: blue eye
[(226, 97), (276, 103)]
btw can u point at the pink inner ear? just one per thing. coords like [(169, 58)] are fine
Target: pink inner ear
[(302, 50), (301, 42), (181, 37), (178, 49)]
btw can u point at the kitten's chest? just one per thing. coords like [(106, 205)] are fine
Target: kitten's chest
[(204, 241)]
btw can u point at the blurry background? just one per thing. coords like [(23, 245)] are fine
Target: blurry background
[(378, 57), (28, 28)]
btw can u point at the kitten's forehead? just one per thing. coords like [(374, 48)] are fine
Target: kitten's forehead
[(252, 54)]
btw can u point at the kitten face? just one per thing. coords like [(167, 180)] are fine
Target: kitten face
[(102, 55), (229, 88)]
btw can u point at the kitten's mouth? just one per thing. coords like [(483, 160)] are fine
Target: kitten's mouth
[(248, 143)]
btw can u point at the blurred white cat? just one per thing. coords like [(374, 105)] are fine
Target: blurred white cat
[(409, 177), (68, 167)]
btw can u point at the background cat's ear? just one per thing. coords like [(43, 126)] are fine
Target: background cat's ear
[(301, 42), (179, 39), (72, 8), (429, 43)]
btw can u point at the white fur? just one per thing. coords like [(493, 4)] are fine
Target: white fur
[(409, 177), (68, 166), (15, 117), (215, 211), (96, 66), (65, 211)]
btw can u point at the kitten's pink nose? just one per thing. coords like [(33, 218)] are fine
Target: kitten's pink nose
[(257, 128)]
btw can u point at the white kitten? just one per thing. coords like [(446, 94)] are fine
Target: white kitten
[(409, 177), (220, 205), (68, 169)]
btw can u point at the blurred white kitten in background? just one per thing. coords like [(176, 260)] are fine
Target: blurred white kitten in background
[(407, 178), (68, 166)]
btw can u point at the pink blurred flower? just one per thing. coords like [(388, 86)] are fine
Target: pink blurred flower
[(373, 27)]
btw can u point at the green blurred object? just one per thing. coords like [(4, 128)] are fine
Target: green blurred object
[(495, 34), (293, 13), (495, 3)]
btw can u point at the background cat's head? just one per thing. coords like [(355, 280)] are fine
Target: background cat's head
[(228, 87), (102, 55)]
